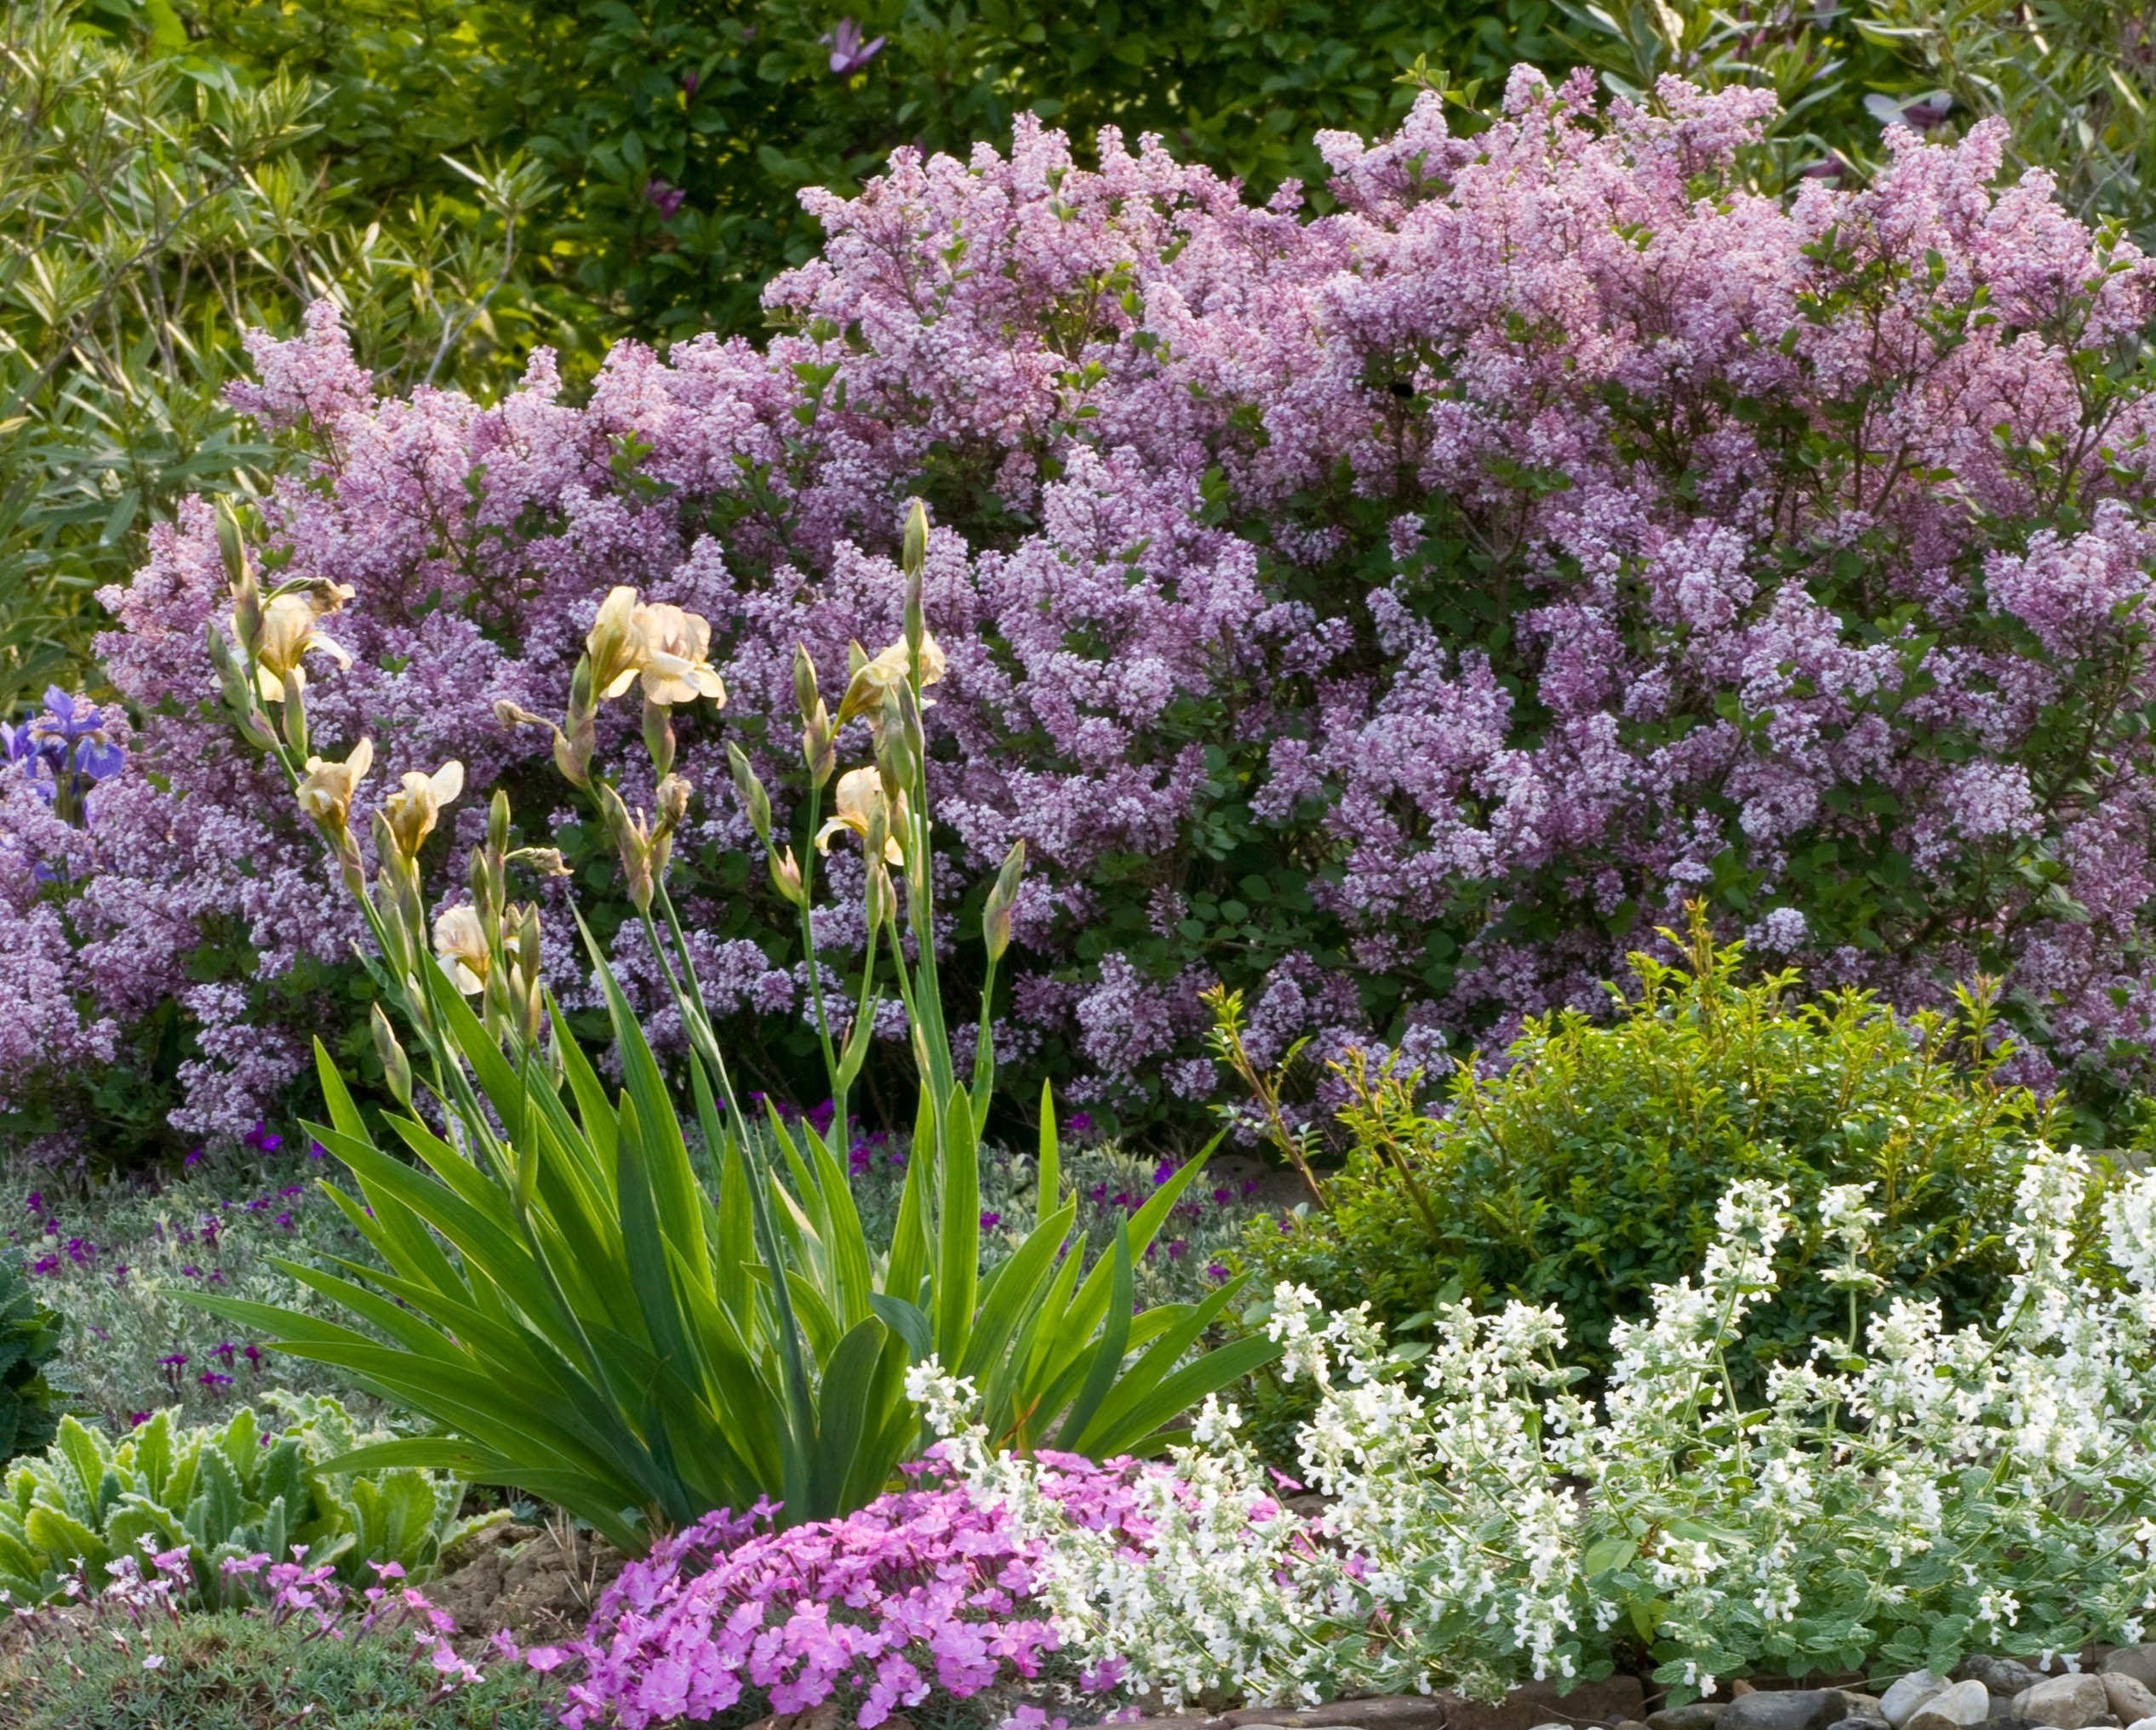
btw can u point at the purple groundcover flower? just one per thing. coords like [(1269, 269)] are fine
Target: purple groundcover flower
[(922, 1590), (848, 52)]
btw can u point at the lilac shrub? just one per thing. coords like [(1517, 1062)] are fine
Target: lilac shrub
[(1389, 613)]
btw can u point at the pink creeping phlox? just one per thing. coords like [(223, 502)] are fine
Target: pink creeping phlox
[(1555, 530), (285, 1591), (929, 1589)]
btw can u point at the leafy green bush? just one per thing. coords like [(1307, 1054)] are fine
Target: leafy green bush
[(679, 133), (155, 203), (223, 1494), (29, 1340), (1587, 1172), (240, 1670)]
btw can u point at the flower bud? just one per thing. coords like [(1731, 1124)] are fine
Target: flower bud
[(659, 737), (917, 556), (528, 967), (239, 578), (396, 1068), (479, 878), (916, 553), (632, 840), (786, 877), (232, 547), (1003, 897), (575, 743), (754, 800), (818, 744), (548, 861), (804, 682), (896, 761), (882, 897), (877, 839), (498, 823)]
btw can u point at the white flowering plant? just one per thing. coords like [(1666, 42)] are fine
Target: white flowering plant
[(1904, 1494)]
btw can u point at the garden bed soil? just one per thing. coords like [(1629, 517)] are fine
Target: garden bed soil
[(521, 1580)]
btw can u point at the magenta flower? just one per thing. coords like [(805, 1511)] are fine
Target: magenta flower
[(665, 199), (848, 52)]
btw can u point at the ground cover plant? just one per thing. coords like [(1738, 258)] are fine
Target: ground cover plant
[(122, 1654), (109, 1266), (1585, 1171), (1406, 655), (1904, 1495), (212, 1496)]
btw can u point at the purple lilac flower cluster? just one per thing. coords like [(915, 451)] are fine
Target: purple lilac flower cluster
[(925, 1591), (1396, 610)]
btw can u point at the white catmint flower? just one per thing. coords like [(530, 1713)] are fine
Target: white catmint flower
[(1485, 1524)]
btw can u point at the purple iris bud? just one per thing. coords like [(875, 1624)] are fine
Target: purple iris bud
[(848, 52)]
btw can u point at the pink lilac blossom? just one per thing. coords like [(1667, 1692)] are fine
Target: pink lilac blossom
[(1555, 530)]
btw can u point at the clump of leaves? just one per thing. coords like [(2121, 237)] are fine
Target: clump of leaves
[(1585, 1173), (223, 1494), (29, 1340)]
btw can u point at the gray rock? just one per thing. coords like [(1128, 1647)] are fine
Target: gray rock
[(1898, 1705), (2131, 1699), (1867, 1720), (2142, 1724), (1701, 1715), (2066, 1702), (2138, 1662), (2004, 1676), (1955, 1708), (1783, 1709)]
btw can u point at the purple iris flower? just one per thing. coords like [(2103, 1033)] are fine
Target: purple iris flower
[(848, 52), (70, 743)]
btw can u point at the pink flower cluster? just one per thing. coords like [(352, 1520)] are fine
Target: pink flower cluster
[(285, 1591), (919, 1590), (1396, 612)]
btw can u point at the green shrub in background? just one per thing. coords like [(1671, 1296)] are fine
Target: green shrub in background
[(29, 1340), (679, 133), (1588, 1172), (155, 203), (240, 1670), (224, 1494)]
